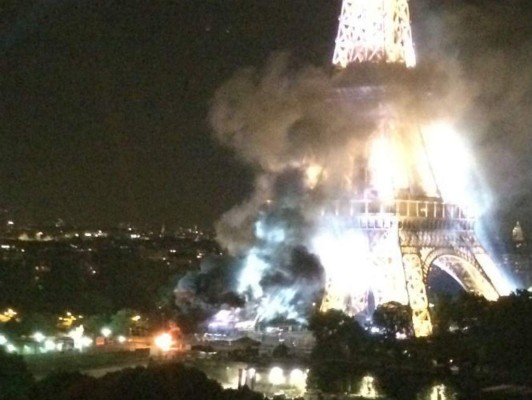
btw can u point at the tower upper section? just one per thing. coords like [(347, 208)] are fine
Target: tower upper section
[(374, 31)]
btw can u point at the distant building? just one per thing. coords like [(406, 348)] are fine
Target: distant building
[(518, 259), (518, 236)]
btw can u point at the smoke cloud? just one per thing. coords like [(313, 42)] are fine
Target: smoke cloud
[(307, 138), (308, 135), (492, 43)]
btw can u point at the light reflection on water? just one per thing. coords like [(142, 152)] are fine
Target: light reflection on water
[(438, 392), (369, 389), (292, 382)]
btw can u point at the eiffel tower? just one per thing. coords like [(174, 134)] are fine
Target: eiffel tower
[(416, 229)]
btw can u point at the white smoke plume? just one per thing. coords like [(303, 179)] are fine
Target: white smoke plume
[(492, 42), (309, 142), (280, 120)]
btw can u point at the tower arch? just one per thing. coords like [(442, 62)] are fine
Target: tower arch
[(463, 268)]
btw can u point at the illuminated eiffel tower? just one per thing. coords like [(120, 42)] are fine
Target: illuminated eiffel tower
[(374, 30), (408, 231)]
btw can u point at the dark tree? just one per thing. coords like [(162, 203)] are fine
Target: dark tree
[(15, 379), (340, 345), (337, 335), (63, 386), (504, 337), (280, 351), (156, 382), (394, 318)]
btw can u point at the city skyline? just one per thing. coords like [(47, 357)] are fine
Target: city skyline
[(106, 107)]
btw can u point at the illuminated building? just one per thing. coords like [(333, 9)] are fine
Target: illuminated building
[(518, 258), (518, 236), (364, 185), (417, 210)]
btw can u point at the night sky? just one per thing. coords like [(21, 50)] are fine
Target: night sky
[(104, 104)]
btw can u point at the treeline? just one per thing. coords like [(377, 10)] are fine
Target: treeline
[(476, 343), (170, 381)]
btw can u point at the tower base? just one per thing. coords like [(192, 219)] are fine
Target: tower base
[(400, 243)]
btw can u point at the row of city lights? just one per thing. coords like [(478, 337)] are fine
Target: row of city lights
[(47, 344), (164, 342)]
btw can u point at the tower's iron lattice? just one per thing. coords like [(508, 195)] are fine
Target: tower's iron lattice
[(406, 238), (411, 234), (374, 30)]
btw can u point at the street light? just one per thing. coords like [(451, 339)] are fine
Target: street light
[(106, 332), (10, 348), (38, 337), (276, 376)]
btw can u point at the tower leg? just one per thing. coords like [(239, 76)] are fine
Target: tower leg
[(417, 294), (333, 299)]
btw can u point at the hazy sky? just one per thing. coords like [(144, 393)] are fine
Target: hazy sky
[(103, 107)]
